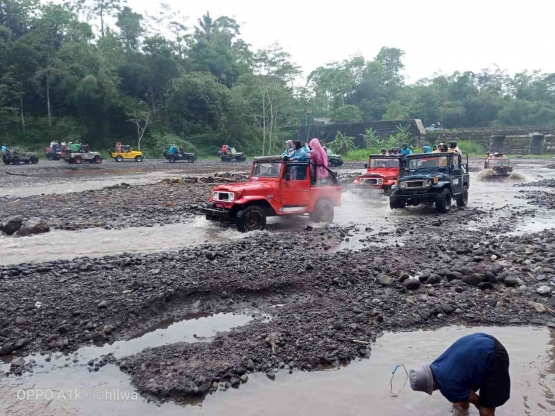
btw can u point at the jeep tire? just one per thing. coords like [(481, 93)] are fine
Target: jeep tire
[(251, 219), (462, 199), (119, 158), (443, 201), (323, 211), (191, 159), (171, 159), (34, 160), (15, 161), (138, 158), (395, 203)]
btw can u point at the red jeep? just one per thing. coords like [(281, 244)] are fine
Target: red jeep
[(275, 187), (381, 173)]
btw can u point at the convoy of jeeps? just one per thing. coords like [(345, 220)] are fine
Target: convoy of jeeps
[(278, 187)]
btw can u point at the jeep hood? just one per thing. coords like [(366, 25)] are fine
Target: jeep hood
[(423, 176), (245, 186), (381, 173)]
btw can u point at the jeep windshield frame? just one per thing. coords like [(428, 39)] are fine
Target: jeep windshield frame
[(393, 162), (433, 162)]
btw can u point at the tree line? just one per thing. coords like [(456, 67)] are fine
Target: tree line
[(97, 72)]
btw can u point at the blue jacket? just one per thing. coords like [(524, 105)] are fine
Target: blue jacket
[(427, 149), (172, 150), (406, 152), (288, 152), (299, 155), (4, 149)]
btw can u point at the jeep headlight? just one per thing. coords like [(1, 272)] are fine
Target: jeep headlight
[(380, 181), (231, 197), (426, 184), (215, 196), (402, 185)]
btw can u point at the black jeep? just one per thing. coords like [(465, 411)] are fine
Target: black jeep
[(15, 157), (432, 178), (180, 154)]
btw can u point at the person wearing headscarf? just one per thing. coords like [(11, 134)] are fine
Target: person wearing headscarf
[(319, 159), (299, 153), (289, 148)]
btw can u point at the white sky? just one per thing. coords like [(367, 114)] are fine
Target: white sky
[(436, 35)]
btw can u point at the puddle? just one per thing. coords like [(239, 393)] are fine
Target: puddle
[(361, 388), (98, 242)]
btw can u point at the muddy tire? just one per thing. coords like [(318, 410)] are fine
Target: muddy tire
[(15, 161), (171, 159), (323, 211), (251, 219), (97, 160), (396, 203), (443, 201), (78, 160), (333, 163), (34, 160), (191, 159), (139, 158), (462, 199), (119, 158)]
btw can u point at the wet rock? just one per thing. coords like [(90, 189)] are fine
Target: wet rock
[(244, 378), (103, 304), (309, 266), (485, 286), (235, 382), (447, 309), (18, 362), (472, 280), (64, 329), (412, 284), (240, 371), (250, 365), (33, 226), (271, 375), (511, 281), (434, 279), (539, 307), (20, 343), (6, 349), (543, 290), (385, 280), (12, 224), (210, 255)]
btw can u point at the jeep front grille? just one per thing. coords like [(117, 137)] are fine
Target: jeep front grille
[(415, 184), (372, 181)]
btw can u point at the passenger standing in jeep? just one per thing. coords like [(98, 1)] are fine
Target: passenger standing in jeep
[(319, 159)]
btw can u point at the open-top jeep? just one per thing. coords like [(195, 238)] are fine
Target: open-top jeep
[(382, 172), (16, 156), (499, 164), (83, 155), (275, 188), (432, 178)]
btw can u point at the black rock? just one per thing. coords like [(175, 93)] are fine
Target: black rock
[(64, 329), (309, 266), (434, 279), (511, 281), (12, 224), (240, 371), (20, 343), (6, 349), (235, 382), (447, 309), (250, 365), (271, 375), (492, 302), (472, 280), (485, 285), (103, 304), (412, 284)]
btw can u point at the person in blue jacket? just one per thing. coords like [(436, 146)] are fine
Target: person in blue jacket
[(289, 148), (476, 362), (172, 149), (427, 149), (4, 149), (405, 150)]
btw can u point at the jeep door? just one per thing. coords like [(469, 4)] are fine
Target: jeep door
[(456, 174), (295, 188)]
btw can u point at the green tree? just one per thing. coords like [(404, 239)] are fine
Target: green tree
[(347, 114)]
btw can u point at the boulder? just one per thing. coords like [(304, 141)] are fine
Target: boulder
[(33, 226), (385, 280), (543, 290), (472, 280), (511, 281), (412, 284), (12, 224)]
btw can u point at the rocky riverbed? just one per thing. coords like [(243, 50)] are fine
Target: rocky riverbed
[(316, 300)]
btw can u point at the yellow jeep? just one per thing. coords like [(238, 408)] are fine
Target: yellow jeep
[(127, 154)]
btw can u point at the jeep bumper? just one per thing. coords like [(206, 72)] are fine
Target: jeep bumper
[(414, 196), (216, 214)]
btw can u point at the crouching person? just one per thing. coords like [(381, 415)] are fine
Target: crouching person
[(475, 369)]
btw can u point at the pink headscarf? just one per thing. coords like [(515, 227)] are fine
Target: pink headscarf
[(319, 157)]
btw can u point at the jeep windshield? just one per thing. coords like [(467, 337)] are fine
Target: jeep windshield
[(428, 163), (384, 163), (266, 170)]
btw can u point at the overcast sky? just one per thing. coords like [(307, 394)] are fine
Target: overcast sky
[(436, 35)]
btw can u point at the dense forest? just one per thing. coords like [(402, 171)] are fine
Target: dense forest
[(97, 71)]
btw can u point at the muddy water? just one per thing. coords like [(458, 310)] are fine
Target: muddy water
[(98, 242), (362, 388)]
